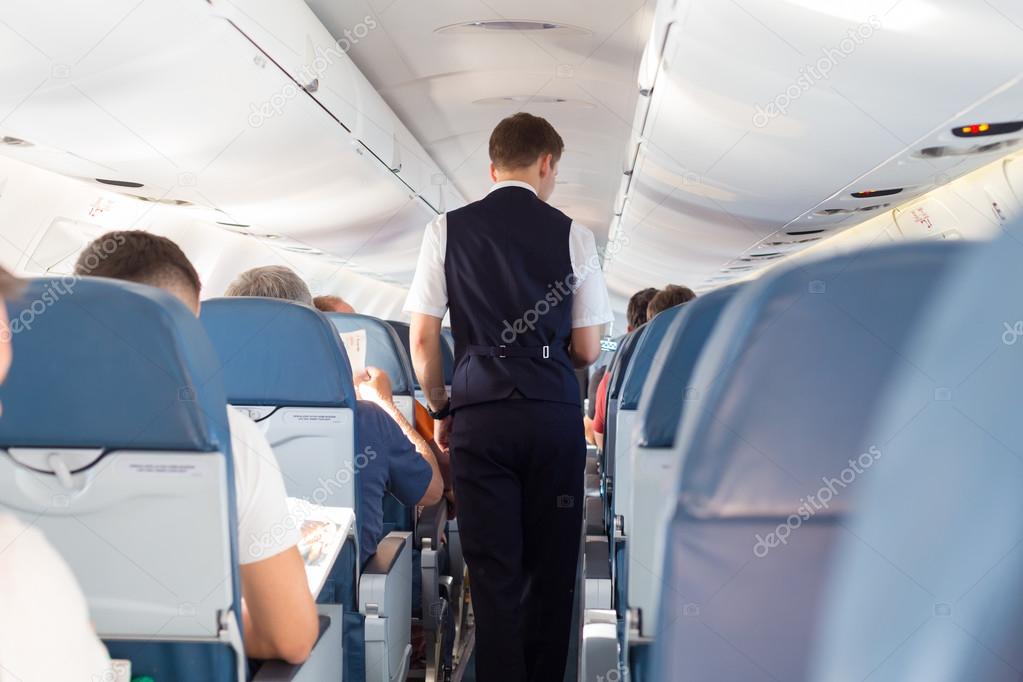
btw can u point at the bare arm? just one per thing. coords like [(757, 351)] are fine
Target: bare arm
[(377, 387), (279, 617), (424, 342), (585, 348), (435, 491)]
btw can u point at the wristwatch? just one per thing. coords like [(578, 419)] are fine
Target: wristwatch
[(441, 413)]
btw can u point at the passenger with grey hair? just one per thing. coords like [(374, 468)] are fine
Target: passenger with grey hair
[(408, 468), (271, 281)]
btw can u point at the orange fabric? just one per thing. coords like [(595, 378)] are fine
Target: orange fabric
[(424, 422), (600, 412)]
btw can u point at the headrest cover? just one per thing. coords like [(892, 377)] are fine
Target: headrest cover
[(643, 356), (383, 348), (790, 376), (941, 513), (665, 392), (621, 361), (100, 363), (278, 353), (447, 352)]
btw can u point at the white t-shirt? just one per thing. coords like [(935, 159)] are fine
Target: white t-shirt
[(265, 526), (429, 291), (45, 630)]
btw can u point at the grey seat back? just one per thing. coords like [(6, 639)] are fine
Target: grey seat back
[(926, 583), (772, 452)]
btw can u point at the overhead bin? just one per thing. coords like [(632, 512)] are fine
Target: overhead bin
[(200, 104), (296, 41)]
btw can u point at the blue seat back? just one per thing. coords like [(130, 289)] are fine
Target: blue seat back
[(770, 449), (654, 460), (384, 348), (447, 351), (926, 583), (449, 357), (116, 445), (278, 353), (284, 364), (663, 394), (638, 370)]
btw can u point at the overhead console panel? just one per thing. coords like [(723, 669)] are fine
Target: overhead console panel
[(766, 127)]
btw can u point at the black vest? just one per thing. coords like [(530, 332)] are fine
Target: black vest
[(509, 279)]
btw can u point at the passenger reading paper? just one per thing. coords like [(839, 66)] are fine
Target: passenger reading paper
[(398, 460)]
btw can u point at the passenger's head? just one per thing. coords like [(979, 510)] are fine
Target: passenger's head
[(636, 313), (144, 258), (332, 304), (668, 297), (528, 148), (271, 281), (9, 288)]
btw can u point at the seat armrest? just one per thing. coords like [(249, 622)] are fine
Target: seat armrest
[(279, 671), (431, 524), (388, 551)]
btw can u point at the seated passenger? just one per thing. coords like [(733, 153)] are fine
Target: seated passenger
[(45, 630), (668, 297), (279, 616), (393, 463), (332, 304), (636, 316)]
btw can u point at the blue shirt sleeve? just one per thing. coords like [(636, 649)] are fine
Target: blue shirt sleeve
[(408, 474)]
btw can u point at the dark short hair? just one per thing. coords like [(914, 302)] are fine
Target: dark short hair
[(669, 297), (636, 313), (138, 256), (520, 139)]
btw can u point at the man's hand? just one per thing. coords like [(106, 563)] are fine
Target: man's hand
[(441, 429), (374, 385)]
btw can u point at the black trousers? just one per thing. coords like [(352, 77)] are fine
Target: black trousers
[(518, 468)]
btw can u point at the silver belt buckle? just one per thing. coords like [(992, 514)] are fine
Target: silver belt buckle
[(546, 352)]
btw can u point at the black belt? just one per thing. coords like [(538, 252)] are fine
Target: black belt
[(542, 352)]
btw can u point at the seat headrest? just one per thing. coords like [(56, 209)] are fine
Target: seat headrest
[(643, 357), (621, 361), (668, 387), (790, 377), (942, 513), (383, 348), (100, 363), (403, 331), (278, 353)]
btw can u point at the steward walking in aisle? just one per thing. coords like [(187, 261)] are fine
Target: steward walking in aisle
[(527, 300)]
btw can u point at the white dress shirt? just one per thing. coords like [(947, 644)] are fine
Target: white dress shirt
[(429, 291)]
